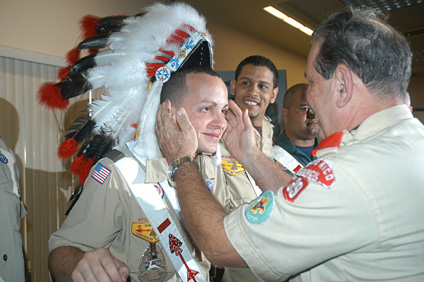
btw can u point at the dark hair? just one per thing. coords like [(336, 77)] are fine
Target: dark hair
[(175, 89), (368, 45), (262, 61)]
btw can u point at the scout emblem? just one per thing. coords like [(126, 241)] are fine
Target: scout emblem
[(174, 246), (152, 265), (259, 210), (232, 167)]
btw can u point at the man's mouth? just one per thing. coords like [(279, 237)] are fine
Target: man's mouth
[(250, 103)]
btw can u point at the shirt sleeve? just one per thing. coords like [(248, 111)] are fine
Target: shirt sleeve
[(97, 216), (290, 237)]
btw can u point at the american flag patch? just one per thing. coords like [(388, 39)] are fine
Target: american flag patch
[(100, 173)]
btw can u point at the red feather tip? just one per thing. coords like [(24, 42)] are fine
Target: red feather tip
[(68, 148), (50, 96), (76, 165), (62, 74), (73, 56), (85, 170), (88, 26)]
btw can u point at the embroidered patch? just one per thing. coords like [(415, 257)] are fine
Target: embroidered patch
[(259, 210), (100, 173), (209, 184), (320, 172), (232, 167), (144, 230), (3, 159), (152, 264), (164, 225), (293, 189)]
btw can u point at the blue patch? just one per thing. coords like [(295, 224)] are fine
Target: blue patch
[(259, 210), (3, 159), (209, 185)]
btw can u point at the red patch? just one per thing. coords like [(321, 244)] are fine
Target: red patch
[(164, 225), (294, 188), (318, 171)]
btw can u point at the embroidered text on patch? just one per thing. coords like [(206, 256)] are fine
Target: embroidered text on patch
[(100, 173), (320, 172), (293, 189)]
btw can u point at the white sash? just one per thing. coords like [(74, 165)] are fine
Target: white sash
[(285, 159), (167, 231)]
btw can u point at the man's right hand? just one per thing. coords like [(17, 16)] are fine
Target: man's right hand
[(71, 264)]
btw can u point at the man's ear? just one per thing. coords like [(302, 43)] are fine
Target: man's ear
[(274, 95), (285, 114), (233, 87), (343, 85)]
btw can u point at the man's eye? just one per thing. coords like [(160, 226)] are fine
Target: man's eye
[(261, 86), (304, 109), (207, 109)]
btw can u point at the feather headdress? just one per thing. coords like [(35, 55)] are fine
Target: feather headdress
[(131, 57)]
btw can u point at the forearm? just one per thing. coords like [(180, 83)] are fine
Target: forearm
[(205, 218), (266, 173), (62, 261)]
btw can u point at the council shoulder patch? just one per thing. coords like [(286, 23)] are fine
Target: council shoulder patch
[(260, 209), (320, 172), (294, 188), (232, 167)]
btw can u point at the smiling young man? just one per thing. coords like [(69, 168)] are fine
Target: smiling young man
[(83, 248), (253, 88)]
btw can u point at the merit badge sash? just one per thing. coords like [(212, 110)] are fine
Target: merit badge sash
[(166, 230), (285, 160)]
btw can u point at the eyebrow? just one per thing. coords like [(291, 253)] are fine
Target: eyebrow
[(261, 81)]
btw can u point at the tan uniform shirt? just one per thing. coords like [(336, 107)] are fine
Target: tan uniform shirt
[(242, 191), (355, 214), (108, 216), (236, 178), (11, 212)]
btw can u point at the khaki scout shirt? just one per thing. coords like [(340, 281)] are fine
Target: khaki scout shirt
[(242, 191), (355, 214), (12, 211), (108, 216), (240, 186)]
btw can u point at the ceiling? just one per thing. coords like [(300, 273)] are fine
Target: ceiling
[(248, 16)]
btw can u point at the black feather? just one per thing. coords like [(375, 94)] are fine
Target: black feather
[(98, 41), (81, 128), (110, 24), (74, 86), (96, 147)]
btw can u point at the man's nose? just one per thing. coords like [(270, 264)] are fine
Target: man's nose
[(219, 121), (310, 114)]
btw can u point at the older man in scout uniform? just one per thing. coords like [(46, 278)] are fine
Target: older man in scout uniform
[(126, 221), (355, 213)]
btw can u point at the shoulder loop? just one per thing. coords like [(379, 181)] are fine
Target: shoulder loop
[(115, 155)]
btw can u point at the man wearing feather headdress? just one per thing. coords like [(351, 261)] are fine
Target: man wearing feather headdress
[(126, 221)]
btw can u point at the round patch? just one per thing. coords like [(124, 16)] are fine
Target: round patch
[(259, 210), (3, 159), (209, 184), (163, 74)]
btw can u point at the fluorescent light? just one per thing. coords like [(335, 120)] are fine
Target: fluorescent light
[(287, 19)]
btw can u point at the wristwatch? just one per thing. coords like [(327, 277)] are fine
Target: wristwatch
[(172, 168)]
